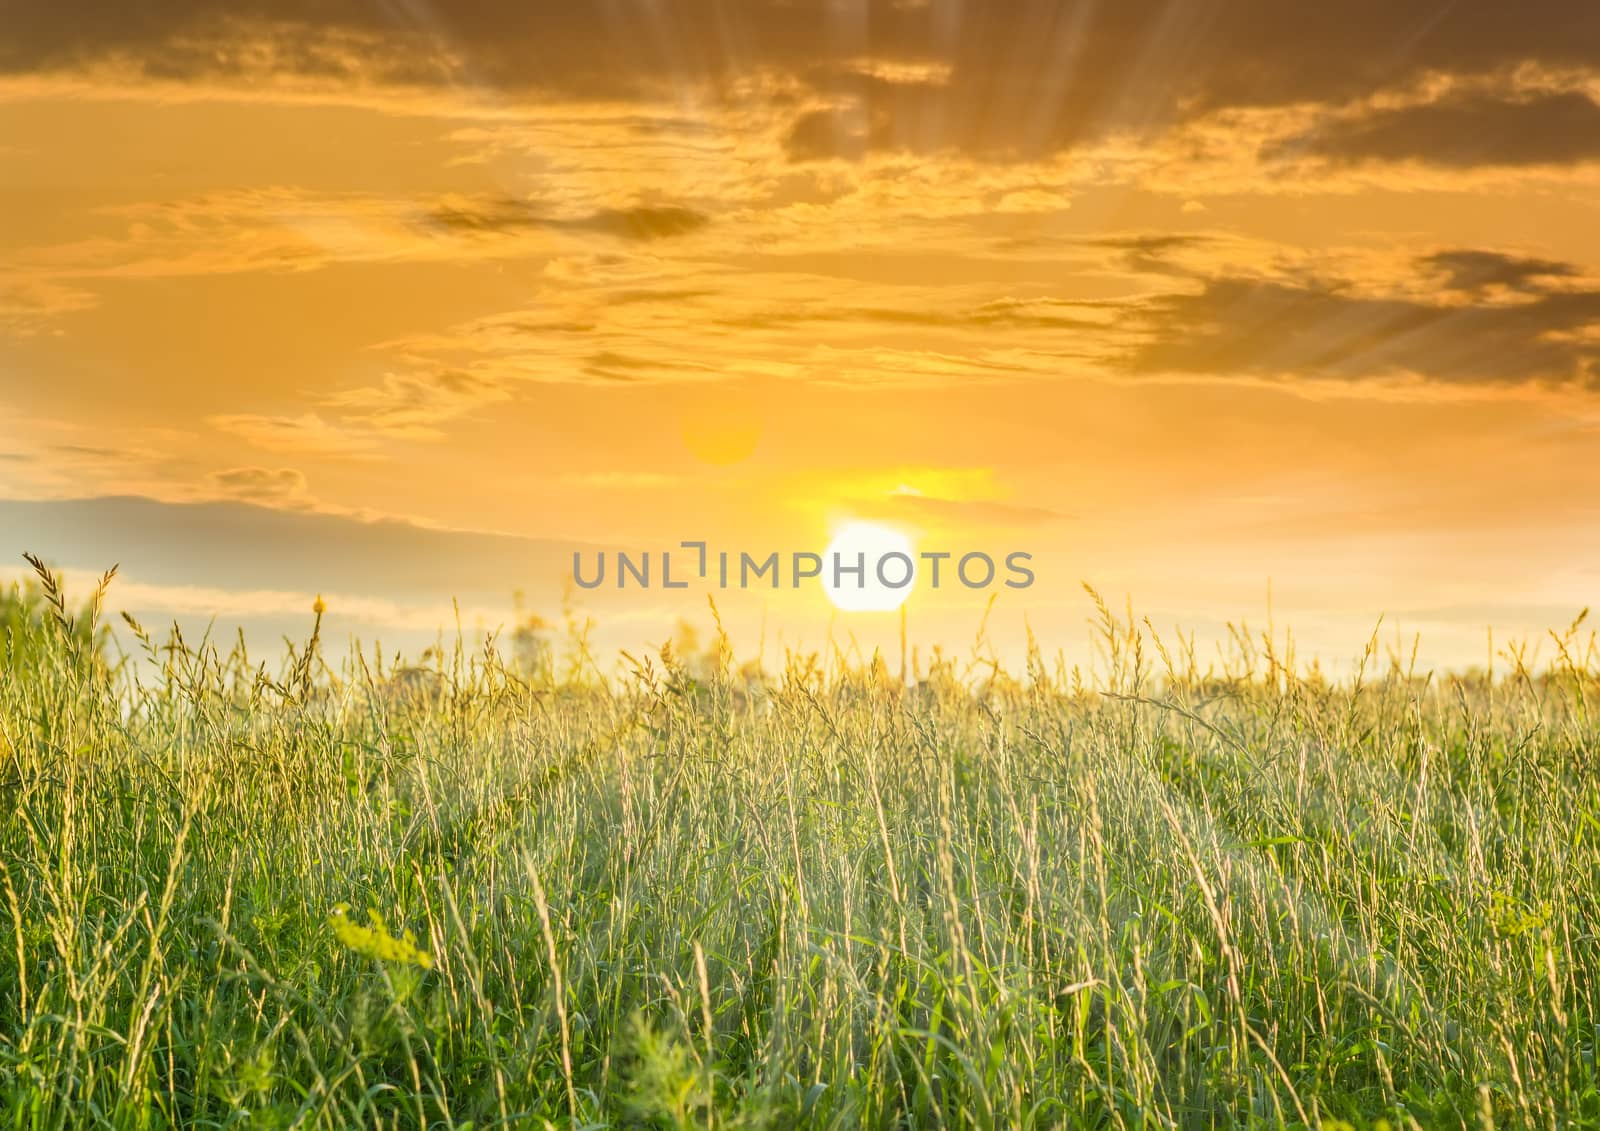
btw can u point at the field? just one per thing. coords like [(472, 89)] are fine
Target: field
[(470, 892)]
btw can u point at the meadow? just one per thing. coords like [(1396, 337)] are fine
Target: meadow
[(480, 890)]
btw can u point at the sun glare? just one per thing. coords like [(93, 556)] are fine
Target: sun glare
[(869, 567)]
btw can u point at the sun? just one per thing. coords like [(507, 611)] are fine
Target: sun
[(869, 567)]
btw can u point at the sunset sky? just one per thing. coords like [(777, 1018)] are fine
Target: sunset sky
[(402, 302)]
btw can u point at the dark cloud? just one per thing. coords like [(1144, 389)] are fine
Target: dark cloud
[(1465, 316), (646, 223), (1150, 252), (504, 215), (609, 359), (272, 486), (1000, 78), (1478, 271), (542, 327), (1244, 326), (609, 365), (494, 216), (1461, 131), (821, 134)]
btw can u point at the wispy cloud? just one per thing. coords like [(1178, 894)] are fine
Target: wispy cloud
[(308, 433), (29, 306), (413, 405)]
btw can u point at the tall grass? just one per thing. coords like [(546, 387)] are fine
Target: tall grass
[(453, 894)]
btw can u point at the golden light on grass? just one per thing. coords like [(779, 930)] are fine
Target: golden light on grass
[(556, 863)]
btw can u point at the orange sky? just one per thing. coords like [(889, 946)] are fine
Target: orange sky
[(1181, 298)]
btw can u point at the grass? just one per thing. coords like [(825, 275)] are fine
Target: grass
[(460, 894)]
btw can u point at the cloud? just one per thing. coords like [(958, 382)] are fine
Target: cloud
[(504, 215), (609, 365), (1313, 329), (1475, 271), (282, 486), (1001, 80), (308, 433), (53, 457), (280, 228), (1462, 129), (647, 223), (1151, 251), (26, 304), (100, 454), (1041, 313), (821, 134), (412, 405)]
